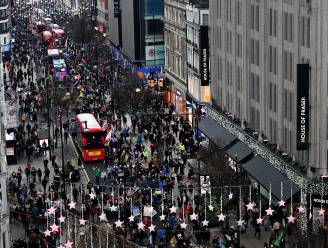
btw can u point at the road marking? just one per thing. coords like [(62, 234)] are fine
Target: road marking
[(78, 155)]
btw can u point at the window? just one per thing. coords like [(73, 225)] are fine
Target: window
[(239, 78), (255, 17), (288, 65), (3, 27), (273, 22), (228, 11), (273, 130), (285, 104), (238, 107), (255, 52), (273, 59), (218, 10), (290, 107), (220, 68), (305, 31), (239, 13), (239, 45), (229, 41), (288, 26), (255, 87)]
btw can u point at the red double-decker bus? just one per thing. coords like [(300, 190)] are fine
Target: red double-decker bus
[(90, 137)]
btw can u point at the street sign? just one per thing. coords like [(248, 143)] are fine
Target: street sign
[(117, 10)]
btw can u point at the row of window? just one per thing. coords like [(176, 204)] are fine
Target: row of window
[(174, 15)]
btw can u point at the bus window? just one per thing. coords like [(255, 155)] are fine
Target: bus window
[(93, 140)]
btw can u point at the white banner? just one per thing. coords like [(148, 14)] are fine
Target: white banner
[(154, 53)]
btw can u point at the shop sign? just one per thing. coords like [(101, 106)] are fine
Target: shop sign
[(10, 151), (318, 201), (154, 53), (117, 10), (204, 57), (302, 131)]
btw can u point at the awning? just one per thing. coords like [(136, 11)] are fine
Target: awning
[(263, 172), (215, 132), (240, 150)]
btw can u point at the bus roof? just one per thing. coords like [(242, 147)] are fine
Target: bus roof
[(53, 52), (92, 123), (58, 31)]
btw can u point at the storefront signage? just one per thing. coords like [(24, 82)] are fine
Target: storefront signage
[(204, 57), (117, 10), (318, 201), (154, 53), (10, 151), (302, 131)]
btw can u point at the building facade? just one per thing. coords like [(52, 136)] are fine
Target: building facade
[(175, 52), (255, 49), (140, 25), (102, 15), (5, 37), (197, 35), (4, 210)]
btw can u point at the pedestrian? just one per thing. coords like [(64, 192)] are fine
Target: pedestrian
[(257, 229), (44, 184), (39, 175), (66, 136)]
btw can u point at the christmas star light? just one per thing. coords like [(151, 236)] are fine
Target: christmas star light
[(54, 227), (82, 222), (141, 225), (61, 219), (259, 221), (194, 216), (281, 203), (205, 222), (250, 206), (131, 218), (162, 217), (72, 205), (51, 210), (321, 212), (151, 228), (68, 244), (269, 211), (183, 225), (103, 217), (210, 207), (221, 217), (47, 233), (118, 223), (291, 218), (92, 195), (173, 209), (230, 196), (240, 222), (301, 209)]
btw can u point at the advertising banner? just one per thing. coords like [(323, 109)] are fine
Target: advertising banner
[(302, 117), (117, 10), (154, 53), (204, 56)]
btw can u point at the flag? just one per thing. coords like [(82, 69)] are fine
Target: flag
[(83, 61)]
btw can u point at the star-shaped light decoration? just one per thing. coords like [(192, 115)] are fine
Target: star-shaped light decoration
[(54, 227), (113, 208), (269, 211), (321, 212), (72, 205), (57, 204), (291, 218), (250, 206), (151, 228), (301, 209), (51, 210), (61, 219), (82, 222), (61, 246), (210, 207), (47, 233), (131, 218), (281, 203), (221, 217), (173, 209), (162, 217), (194, 216), (230, 196), (92, 195), (141, 226), (68, 244), (205, 222), (183, 225), (310, 216), (240, 222), (259, 221), (103, 217), (118, 223)]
